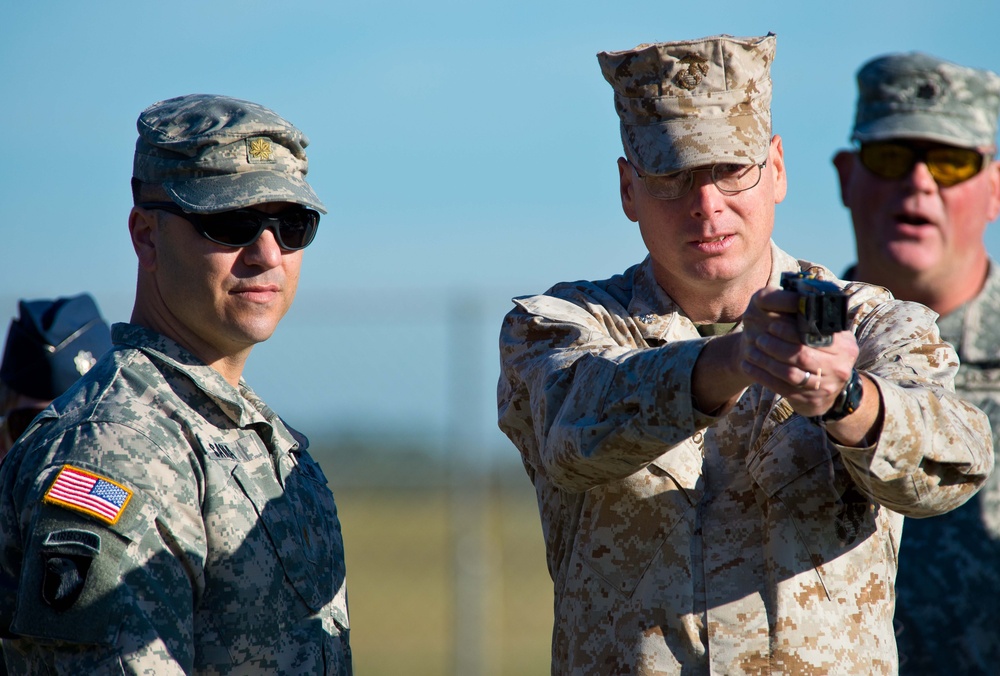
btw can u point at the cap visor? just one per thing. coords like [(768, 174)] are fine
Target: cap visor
[(223, 193), (686, 144), (918, 126)]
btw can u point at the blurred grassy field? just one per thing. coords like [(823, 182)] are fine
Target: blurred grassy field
[(401, 546)]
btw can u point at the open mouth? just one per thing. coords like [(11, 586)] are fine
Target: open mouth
[(713, 245), (911, 219)]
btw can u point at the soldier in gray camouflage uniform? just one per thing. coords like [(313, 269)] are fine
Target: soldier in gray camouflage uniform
[(922, 186), (159, 518), (716, 496)]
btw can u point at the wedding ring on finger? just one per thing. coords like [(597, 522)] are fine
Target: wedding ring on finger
[(809, 374)]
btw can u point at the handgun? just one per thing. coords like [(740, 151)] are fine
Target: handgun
[(822, 307)]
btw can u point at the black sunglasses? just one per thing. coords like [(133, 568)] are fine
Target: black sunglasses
[(948, 165), (294, 228)]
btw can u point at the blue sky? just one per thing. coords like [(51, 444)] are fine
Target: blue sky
[(466, 151)]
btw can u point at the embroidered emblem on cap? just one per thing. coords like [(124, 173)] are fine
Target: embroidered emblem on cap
[(88, 493), (259, 150), (927, 90), (691, 77), (84, 361)]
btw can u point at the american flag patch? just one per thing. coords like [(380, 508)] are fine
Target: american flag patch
[(88, 493)]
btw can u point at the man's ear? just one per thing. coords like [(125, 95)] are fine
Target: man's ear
[(994, 173), (776, 157), (627, 188), (844, 162), (142, 227)]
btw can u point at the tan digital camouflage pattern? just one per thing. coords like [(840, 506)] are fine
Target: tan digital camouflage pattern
[(693, 103), (744, 544), (228, 559), (214, 153), (915, 95), (948, 607)]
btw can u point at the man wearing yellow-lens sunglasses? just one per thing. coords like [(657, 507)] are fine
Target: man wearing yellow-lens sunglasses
[(922, 186)]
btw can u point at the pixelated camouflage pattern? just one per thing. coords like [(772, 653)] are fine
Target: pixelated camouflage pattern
[(743, 544), (215, 153), (948, 587), (915, 95), (693, 103), (227, 560)]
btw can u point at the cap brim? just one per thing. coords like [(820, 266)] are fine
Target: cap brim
[(916, 125), (236, 191), (675, 145)]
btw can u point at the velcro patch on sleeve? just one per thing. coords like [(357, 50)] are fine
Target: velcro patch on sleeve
[(88, 493)]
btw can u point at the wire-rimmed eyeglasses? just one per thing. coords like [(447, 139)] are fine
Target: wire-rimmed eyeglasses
[(729, 177)]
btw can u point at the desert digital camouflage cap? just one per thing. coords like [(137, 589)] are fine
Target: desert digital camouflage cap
[(215, 153), (915, 95), (693, 103), (51, 344)]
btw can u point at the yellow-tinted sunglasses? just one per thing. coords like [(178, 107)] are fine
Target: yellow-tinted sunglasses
[(948, 165)]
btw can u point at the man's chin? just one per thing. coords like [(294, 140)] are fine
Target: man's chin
[(912, 257), (253, 331)]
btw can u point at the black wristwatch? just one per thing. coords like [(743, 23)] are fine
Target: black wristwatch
[(847, 401)]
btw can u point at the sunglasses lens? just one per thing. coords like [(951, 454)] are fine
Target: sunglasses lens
[(887, 160), (298, 228), (232, 228), (950, 166)]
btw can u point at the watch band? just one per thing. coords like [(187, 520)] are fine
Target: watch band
[(848, 400)]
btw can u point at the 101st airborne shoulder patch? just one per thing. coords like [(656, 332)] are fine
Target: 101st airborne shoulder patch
[(88, 493)]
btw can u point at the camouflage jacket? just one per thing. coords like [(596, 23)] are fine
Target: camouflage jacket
[(747, 543), (157, 520), (948, 587)]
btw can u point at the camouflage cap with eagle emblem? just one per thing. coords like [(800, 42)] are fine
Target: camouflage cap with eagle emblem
[(215, 153), (693, 103), (915, 95)]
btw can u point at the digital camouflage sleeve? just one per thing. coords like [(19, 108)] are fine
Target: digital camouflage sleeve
[(741, 544), (161, 521)]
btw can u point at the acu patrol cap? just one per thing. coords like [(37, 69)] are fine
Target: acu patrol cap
[(216, 153), (51, 344), (918, 96), (693, 103)]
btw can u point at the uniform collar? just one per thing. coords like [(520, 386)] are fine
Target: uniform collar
[(973, 327), (655, 313), (660, 318), (240, 404)]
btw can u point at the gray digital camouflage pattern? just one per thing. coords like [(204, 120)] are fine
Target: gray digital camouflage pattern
[(693, 103), (916, 95), (225, 558), (948, 606), (743, 544), (215, 153)]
